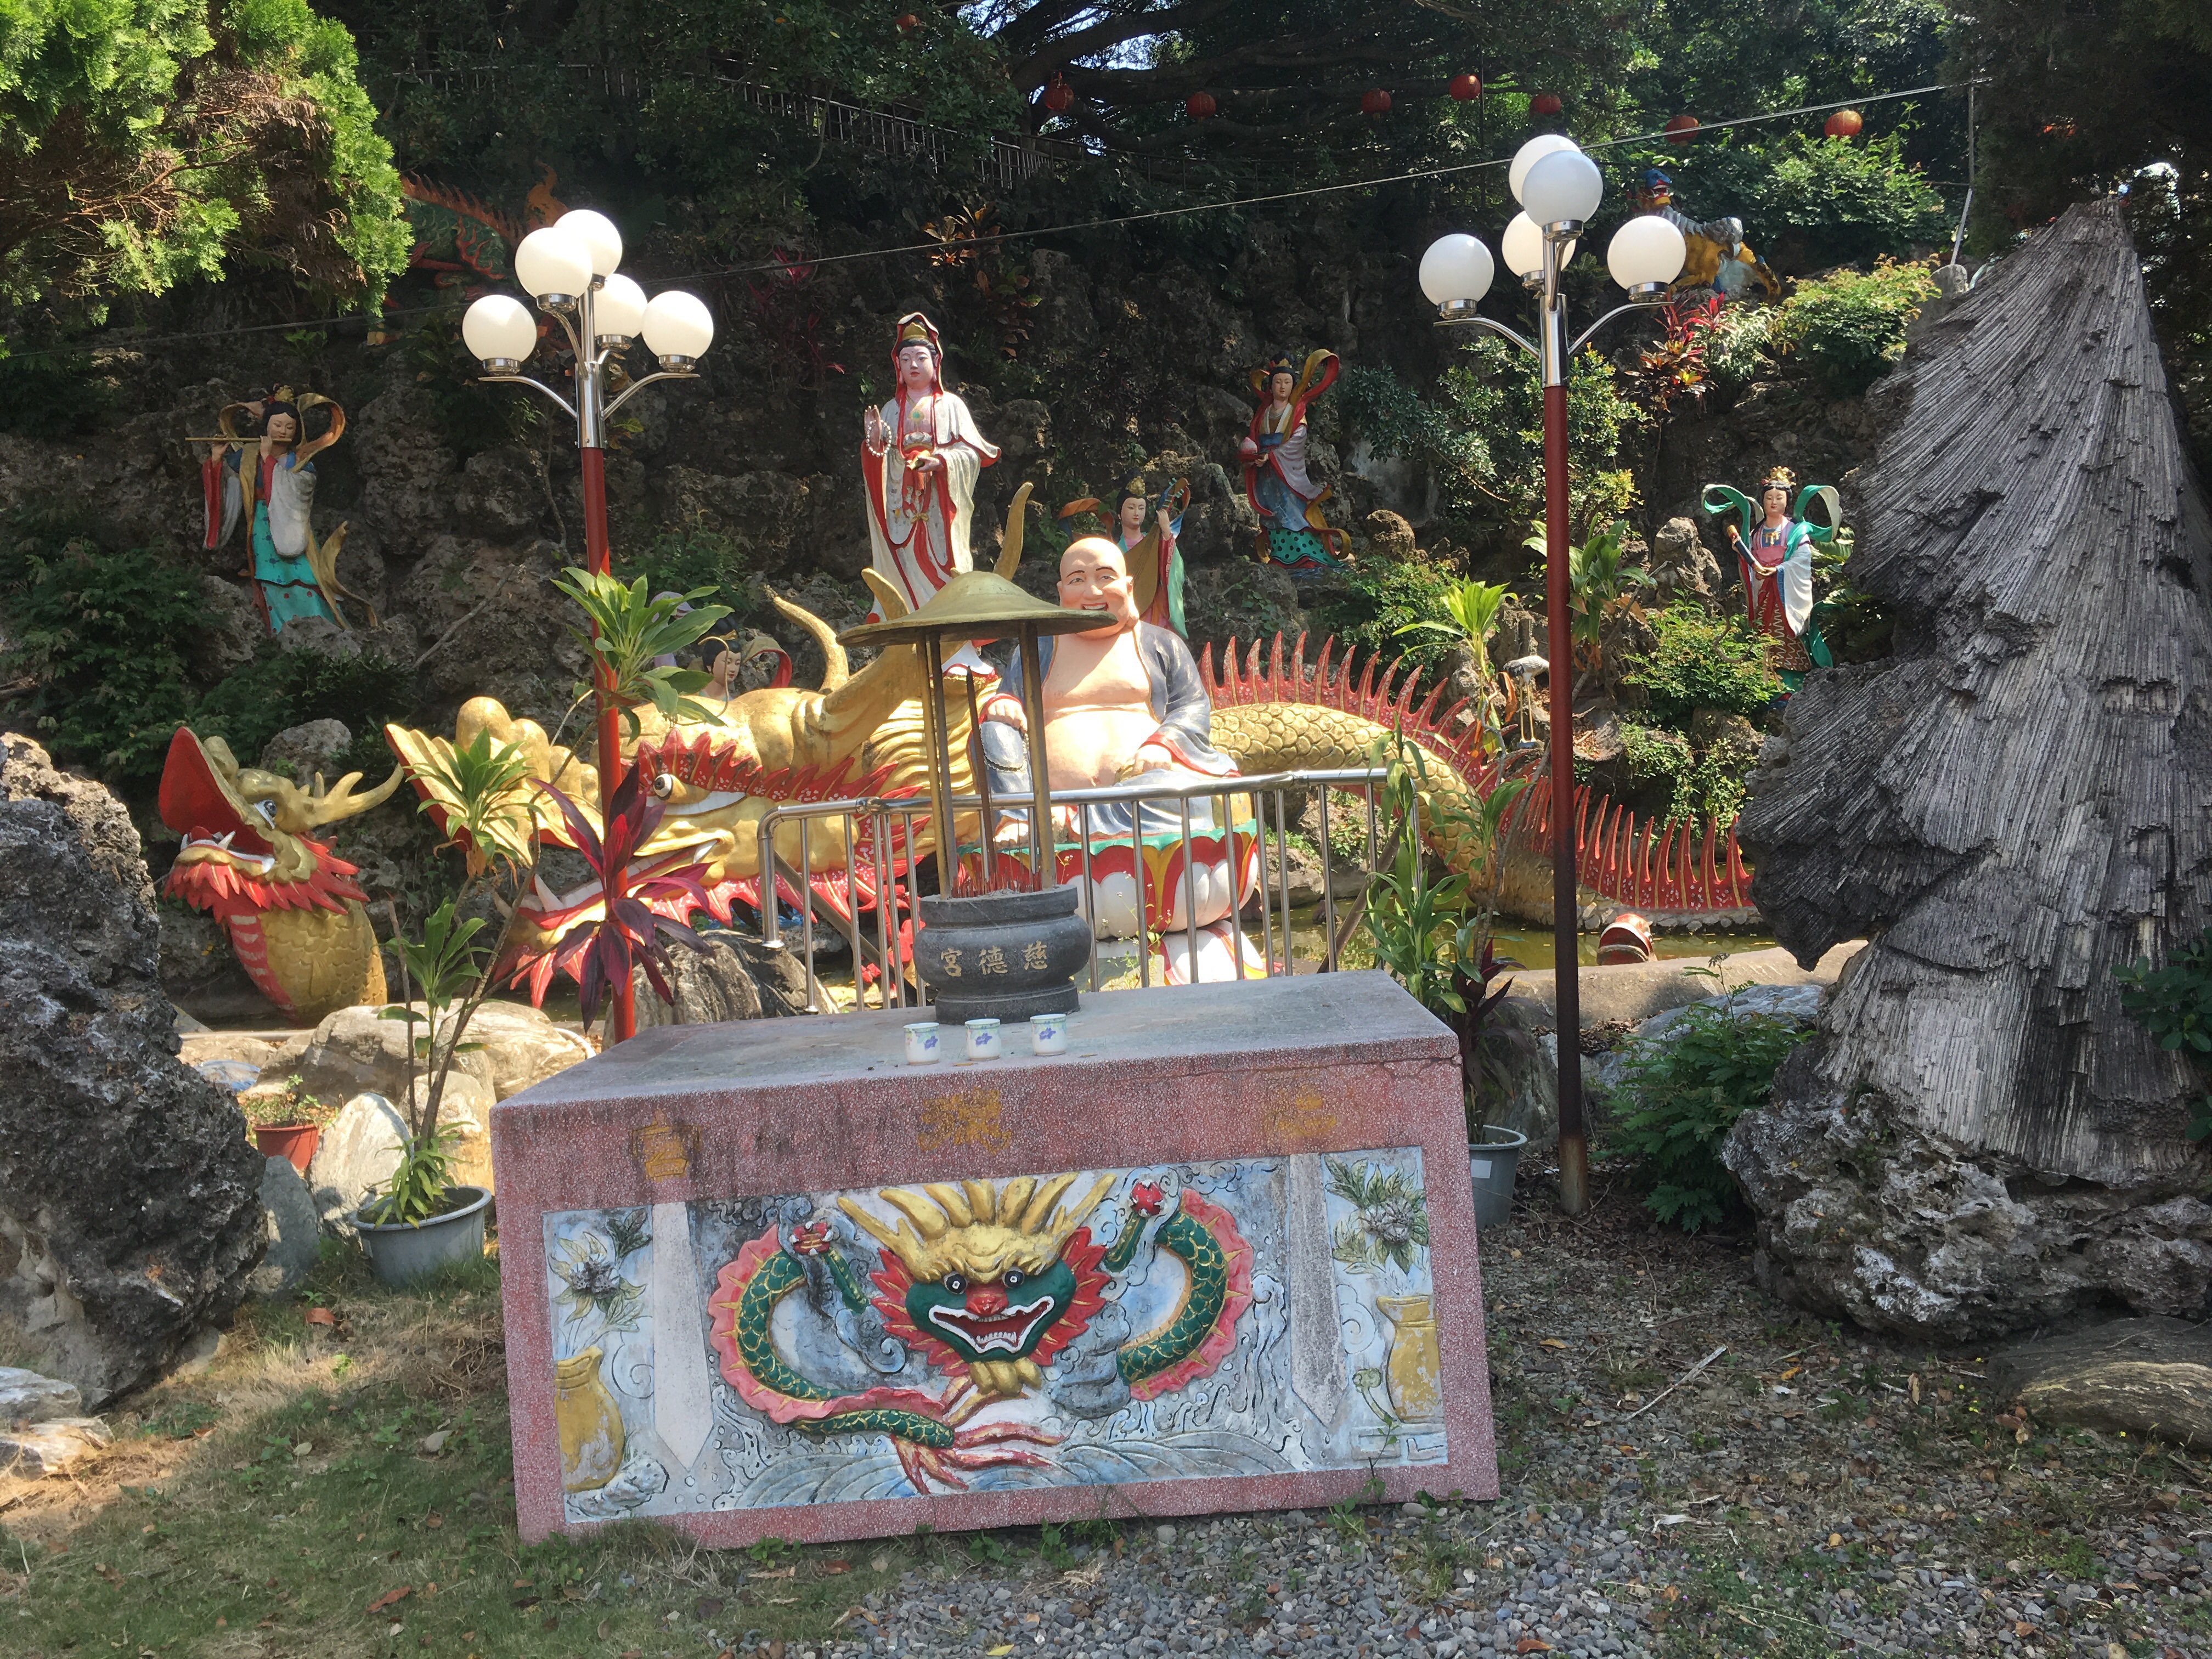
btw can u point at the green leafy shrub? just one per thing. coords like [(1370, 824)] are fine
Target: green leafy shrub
[(1494, 395), (1699, 660), (691, 557), (1683, 1095), (279, 689), (102, 636), (1705, 784), (53, 395), (1379, 600), (1736, 348), (1848, 326), (2174, 1005)]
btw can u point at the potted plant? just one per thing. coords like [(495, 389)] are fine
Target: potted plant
[(286, 1122), (1434, 936), (423, 1219), (476, 795)]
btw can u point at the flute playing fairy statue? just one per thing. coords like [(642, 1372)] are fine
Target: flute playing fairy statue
[(1774, 554), (294, 576), (1293, 532)]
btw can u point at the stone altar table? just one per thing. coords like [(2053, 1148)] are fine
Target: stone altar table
[(765, 1278)]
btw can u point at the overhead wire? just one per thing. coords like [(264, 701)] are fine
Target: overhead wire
[(1000, 238)]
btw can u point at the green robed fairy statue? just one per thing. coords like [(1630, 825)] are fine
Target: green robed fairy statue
[(1774, 551)]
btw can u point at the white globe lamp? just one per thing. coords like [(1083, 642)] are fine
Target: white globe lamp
[(677, 329), (1645, 254), (1455, 273), (499, 333), (617, 310), (1523, 245), (599, 235), (554, 265), (1543, 144), (1563, 188)]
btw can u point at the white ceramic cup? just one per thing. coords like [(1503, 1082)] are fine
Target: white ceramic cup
[(1047, 1034), (983, 1039), (922, 1048)]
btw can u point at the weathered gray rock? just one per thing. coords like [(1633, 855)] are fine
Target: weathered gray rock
[(1798, 1003), (734, 978), (2150, 1377), (306, 750), (2011, 806), (292, 1228), (1864, 1213), (129, 1197), (27, 1397), (49, 1448), (1681, 565)]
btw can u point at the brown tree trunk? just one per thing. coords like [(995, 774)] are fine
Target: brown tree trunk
[(2014, 804)]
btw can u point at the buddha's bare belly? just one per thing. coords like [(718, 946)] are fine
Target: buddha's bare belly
[(1086, 748)]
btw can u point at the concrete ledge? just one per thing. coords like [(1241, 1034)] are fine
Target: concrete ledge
[(1638, 991)]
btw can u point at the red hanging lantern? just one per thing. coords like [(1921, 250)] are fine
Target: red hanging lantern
[(1465, 88), (1843, 123), (1058, 96), (1545, 103), (1374, 101), (908, 22), (1200, 106), (1679, 128)]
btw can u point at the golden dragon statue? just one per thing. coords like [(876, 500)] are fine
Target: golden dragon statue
[(295, 918), (250, 857)]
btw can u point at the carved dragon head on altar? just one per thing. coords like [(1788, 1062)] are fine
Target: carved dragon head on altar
[(250, 858)]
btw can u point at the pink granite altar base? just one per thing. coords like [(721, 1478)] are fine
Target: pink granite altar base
[(1327, 1063)]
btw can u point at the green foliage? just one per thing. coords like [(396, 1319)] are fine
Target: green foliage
[(55, 394), (1848, 326), (692, 558), (1598, 586), (421, 1186), (1737, 349), (1495, 396), (1683, 1095), (287, 1105), (1381, 600), (150, 142), (1470, 612), (1699, 660), (102, 636), (1399, 425), (2174, 1005), (1706, 783), (279, 689), (486, 809), (470, 415), (629, 627), (1432, 935)]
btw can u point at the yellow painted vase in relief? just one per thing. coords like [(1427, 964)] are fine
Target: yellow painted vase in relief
[(590, 1422), (1415, 1367)]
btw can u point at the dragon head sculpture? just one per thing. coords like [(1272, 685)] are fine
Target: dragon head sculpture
[(250, 858), (996, 1278)]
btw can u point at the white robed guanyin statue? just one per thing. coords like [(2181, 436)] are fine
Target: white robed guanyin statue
[(920, 455)]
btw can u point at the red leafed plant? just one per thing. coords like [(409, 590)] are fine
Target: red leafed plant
[(636, 904), (1675, 367)]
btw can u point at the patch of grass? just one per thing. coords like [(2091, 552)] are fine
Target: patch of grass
[(277, 1501)]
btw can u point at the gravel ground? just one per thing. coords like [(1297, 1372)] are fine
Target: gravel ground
[(1813, 1490)]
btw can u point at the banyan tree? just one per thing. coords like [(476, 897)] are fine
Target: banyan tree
[(2014, 805)]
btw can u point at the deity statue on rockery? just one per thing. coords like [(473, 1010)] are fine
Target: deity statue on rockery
[(1293, 533), (1125, 702), (1155, 557), (1717, 256), (1773, 542), (921, 456), (268, 481)]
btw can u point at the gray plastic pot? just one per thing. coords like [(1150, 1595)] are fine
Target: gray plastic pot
[(1492, 1161), (402, 1253)]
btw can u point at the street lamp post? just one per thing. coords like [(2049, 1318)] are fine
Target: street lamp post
[(1558, 188), (568, 268)]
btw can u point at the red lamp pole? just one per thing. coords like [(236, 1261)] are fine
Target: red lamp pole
[(597, 557)]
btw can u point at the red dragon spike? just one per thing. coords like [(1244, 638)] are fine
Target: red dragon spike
[(1252, 673), (1711, 880), (1323, 692), (1364, 696), (1275, 670), (1205, 669), (1298, 691)]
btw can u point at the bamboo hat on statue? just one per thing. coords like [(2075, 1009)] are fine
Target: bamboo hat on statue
[(975, 605)]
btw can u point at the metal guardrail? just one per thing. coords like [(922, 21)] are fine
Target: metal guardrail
[(892, 836)]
